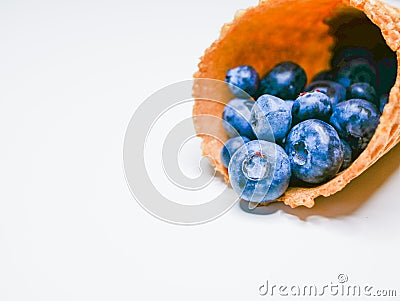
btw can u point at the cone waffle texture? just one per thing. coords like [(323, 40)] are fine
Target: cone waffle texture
[(259, 36)]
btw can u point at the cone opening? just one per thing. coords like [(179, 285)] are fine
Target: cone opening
[(350, 27)]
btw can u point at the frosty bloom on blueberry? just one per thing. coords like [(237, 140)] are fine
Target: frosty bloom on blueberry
[(271, 118), (259, 171), (312, 105), (315, 151), (242, 78), (236, 116), (289, 103)]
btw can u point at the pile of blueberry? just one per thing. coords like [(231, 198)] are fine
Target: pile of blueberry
[(298, 135)]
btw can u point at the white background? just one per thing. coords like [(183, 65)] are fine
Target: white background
[(71, 75)]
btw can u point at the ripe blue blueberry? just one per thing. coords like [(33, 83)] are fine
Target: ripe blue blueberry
[(315, 151), (230, 147), (362, 91), (343, 55), (242, 78), (271, 118), (356, 121), (358, 70), (312, 105), (286, 80), (347, 155), (383, 100), (236, 116), (336, 92), (259, 171), (323, 75)]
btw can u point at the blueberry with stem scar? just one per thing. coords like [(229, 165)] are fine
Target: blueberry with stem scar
[(335, 91), (315, 151), (259, 171)]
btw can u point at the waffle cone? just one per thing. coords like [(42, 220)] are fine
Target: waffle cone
[(300, 31)]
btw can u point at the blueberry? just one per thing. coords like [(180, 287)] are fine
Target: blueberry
[(336, 92), (346, 54), (383, 100), (259, 171), (237, 118), (347, 155), (271, 118), (312, 105), (358, 70), (286, 80), (323, 75), (230, 147), (362, 91), (387, 72), (315, 151), (355, 120), (242, 78)]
